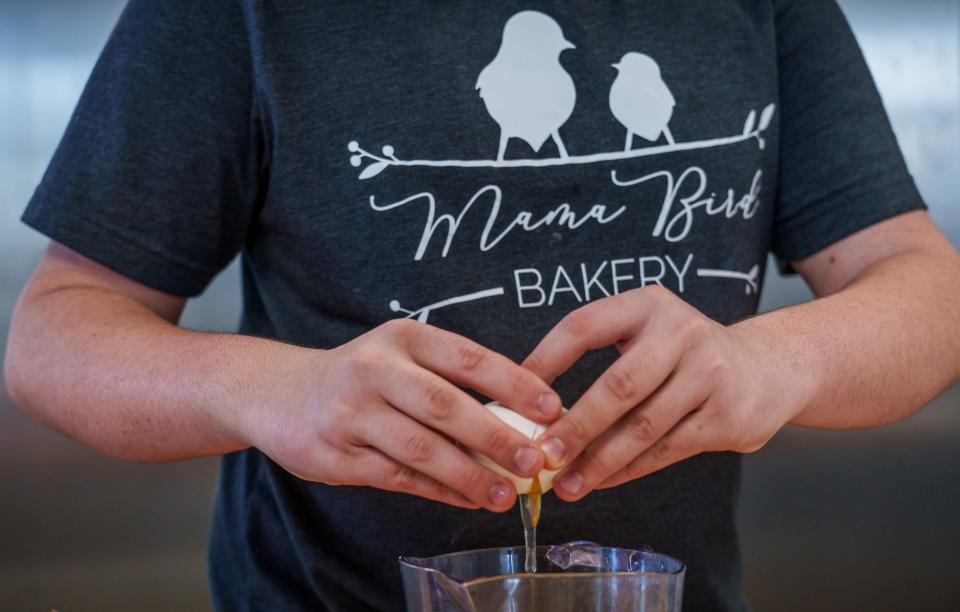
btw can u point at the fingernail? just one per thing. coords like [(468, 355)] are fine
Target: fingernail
[(524, 459), (554, 449), (571, 483), (499, 494), (548, 403)]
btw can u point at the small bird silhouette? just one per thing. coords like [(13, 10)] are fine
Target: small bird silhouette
[(640, 100), (525, 89)]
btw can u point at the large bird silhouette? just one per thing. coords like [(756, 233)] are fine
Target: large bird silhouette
[(640, 100), (525, 89)]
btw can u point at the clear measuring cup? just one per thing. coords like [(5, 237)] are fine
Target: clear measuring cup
[(580, 576)]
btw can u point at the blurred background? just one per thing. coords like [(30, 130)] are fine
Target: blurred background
[(830, 521)]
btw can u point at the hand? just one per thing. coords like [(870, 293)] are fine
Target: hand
[(682, 385), (382, 411)]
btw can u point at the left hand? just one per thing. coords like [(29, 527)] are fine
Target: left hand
[(682, 385)]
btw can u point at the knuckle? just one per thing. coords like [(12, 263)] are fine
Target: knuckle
[(639, 427), (470, 355), (620, 382), (333, 481), (419, 448), (519, 385), (497, 439), (576, 322), (346, 411), (403, 477), (393, 327), (661, 449), (475, 483), (440, 403), (633, 470), (715, 367), (750, 447), (577, 427), (535, 362), (336, 478), (596, 464), (436, 490), (746, 440), (693, 327), (332, 468), (331, 421), (402, 330), (657, 292), (301, 459), (358, 364)]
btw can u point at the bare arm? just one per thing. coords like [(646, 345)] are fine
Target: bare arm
[(100, 357), (884, 338)]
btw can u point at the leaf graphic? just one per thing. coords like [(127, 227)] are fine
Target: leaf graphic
[(752, 280), (767, 116), (751, 120), (373, 170)]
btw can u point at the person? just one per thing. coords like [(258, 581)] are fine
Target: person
[(406, 258)]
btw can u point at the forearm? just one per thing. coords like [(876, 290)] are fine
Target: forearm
[(109, 372), (875, 351)]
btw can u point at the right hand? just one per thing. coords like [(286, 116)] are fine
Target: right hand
[(384, 411)]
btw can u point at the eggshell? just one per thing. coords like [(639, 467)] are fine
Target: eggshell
[(529, 428)]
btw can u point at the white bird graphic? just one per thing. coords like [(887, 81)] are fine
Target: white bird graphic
[(525, 89), (640, 100)]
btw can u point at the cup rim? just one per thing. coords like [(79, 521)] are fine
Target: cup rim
[(412, 562)]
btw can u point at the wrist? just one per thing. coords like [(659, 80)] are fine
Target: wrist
[(267, 382), (790, 371)]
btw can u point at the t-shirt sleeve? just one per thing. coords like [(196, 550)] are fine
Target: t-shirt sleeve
[(158, 174), (840, 167)]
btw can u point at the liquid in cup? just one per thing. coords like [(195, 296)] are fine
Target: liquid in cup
[(580, 576)]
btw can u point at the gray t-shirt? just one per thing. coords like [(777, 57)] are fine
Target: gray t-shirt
[(481, 167)]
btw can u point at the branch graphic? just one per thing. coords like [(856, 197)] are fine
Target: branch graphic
[(750, 277), (751, 129), (422, 314)]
